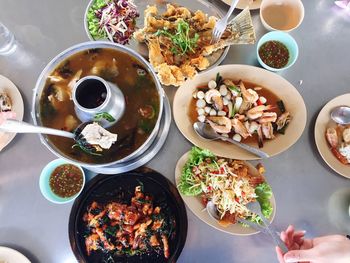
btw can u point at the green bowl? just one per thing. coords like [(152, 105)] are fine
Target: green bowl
[(44, 182), (284, 38)]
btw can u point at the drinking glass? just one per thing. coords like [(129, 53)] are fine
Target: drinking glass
[(7, 40)]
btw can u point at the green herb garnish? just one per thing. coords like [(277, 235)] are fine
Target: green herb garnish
[(281, 106), (219, 80), (104, 115), (182, 40), (235, 89)]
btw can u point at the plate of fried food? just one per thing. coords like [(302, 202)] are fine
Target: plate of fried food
[(10, 100), (245, 103), (252, 4), (332, 139), (230, 184), (137, 216), (176, 37)]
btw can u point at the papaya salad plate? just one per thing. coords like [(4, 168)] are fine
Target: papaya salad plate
[(230, 184), (175, 36), (245, 103), (333, 140)]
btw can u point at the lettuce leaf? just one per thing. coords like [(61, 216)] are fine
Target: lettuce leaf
[(264, 193), (187, 185)]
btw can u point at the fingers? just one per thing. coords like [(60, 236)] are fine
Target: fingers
[(299, 255), (279, 255)]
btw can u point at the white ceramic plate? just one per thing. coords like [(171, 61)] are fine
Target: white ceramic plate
[(322, 122), (253, 5), (11, 90), (293, 101), (194, 203), (10, 255)]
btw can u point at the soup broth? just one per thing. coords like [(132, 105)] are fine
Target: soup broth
[(139, 89)]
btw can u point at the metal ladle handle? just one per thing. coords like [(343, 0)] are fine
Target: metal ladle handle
[(15, 126)]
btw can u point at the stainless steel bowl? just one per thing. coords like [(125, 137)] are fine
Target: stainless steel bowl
[(40, 84)]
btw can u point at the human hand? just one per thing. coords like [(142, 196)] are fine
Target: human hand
[(7, 115), (335, 248)]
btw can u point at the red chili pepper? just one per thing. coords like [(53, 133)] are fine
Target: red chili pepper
[(259, 102), (237, 199)]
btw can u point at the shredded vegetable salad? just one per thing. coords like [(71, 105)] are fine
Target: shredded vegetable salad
[(112, 19), (227, 183)]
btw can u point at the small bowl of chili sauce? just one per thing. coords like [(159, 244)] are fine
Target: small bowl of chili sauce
[(277, 51), (61, 182)]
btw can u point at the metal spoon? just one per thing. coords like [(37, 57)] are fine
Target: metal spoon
[(341, 115), (205, 131), (268, 229), (24, 127)]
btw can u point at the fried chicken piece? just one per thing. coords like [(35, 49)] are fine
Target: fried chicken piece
[(188, 71), (155, 55), (170, 75), (200, 62), (91, 243)]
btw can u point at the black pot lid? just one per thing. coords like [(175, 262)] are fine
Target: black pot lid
[(106, 188)]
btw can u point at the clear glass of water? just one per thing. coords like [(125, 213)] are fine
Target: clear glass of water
[(7, 41)]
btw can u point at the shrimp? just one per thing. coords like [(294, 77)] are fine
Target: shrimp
[(283, 120), (240, 128), (346, 135), (267, 130), (249, 95), (257, 112), (268, 117), (220, 124)]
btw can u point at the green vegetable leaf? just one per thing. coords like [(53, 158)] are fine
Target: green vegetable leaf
[(234, 88), (264, 193), (187, 185), (104, 115), (281, 106)]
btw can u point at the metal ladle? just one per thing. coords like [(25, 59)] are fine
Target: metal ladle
[(15, 126), (255, 208), (341, 115), (205, 131)]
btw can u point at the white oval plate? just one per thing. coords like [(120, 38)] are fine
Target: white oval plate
[(10, 255), (322, 122), (195, 205), (279, 86), (11, 90)]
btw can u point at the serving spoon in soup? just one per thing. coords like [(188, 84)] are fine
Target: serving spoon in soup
[(88, 136)]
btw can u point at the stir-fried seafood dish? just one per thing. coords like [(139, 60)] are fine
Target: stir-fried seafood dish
[(338, 139), (180, 41), (124, 229), (240, 110), (228, 183)]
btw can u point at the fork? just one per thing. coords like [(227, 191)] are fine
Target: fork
[(270, 229), (221, 25)]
